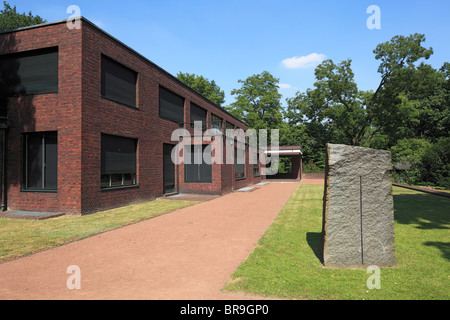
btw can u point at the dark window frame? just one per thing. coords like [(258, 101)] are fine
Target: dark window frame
[(179, 120), (169, 145), (216, 119), (256, 166), (44, 162), (240, 164), (128, 178), (103, 90), (198, 166), (202, 119), (13, 90)]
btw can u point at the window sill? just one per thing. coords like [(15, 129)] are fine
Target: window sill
[(237, 179), (39, 190), (121, 103), (119, 187)]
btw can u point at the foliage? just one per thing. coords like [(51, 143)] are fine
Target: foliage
[(207, 88), (409, 151), (11, 19), (311, 167), (408, 111), (435, 167), (356, 115), (407, 157), (258, 102)]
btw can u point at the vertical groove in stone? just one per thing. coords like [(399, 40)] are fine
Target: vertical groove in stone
[(361, 218)]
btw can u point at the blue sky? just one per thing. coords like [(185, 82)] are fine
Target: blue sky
[(228, 40)]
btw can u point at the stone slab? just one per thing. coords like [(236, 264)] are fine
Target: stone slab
[(358, 208)]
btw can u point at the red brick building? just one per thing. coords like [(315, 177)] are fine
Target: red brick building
[(90, 123)]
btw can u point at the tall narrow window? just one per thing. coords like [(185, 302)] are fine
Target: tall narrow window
[(30, 72), (239, 163), (197, 170), (198, 114), (118, 82), (229, 130), (41, 161), (118, 163), (256, 166), (216, 122), (171, 106), (168, 169)]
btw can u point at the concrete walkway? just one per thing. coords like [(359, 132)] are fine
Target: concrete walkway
[(187, 254)]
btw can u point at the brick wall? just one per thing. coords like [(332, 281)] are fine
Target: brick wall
[(81, 115), (47, 112)]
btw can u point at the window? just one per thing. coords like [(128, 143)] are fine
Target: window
[(229, 130), (168, 169), (41, 161), (30, 72), (256, 166), (118, 82), (216, 122), (198, 170), (239, 163), (198, 114), (171, 106), (118, 161)]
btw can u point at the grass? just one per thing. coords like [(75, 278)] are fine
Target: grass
[(286, 263), (23, 237)]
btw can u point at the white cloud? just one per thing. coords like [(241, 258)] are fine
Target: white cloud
[(311, 60), (284, 86)]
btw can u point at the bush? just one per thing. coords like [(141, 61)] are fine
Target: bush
[(310, 167), (435, 164), (409, 152)]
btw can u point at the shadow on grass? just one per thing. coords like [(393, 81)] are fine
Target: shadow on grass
[(443, 246), (314, 240), (427, 211)]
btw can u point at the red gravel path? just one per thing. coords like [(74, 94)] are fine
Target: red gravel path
[(187, 254)]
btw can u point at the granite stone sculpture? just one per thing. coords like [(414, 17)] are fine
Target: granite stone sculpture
[(358, 208)]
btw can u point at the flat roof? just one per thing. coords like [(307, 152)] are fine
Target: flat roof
[(130, 49), (285, 151)]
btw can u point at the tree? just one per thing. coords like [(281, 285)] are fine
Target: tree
[(11, 19), (257, 102), (306, 121), (358, 116), (207, 88)]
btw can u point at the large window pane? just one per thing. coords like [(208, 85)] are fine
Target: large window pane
[(168, 169), (34, 161), (239, 163), (118, 82), (41, 161), (198, 170), (51, 161), (198, 114), (216, 122), (171, 106), (31, 72), (118, 161)]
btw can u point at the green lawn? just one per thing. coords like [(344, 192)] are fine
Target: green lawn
[(286, 263), (22, 237)]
